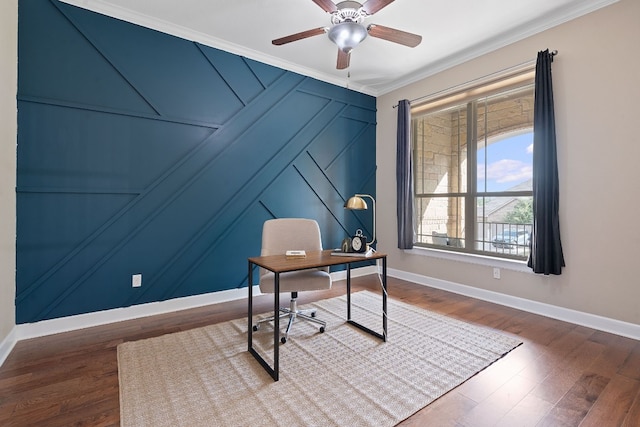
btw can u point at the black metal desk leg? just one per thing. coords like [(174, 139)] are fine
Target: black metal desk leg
[(276, 302), (250, 319), (383, 335), (276, 326), (384, 298), (348, 291)]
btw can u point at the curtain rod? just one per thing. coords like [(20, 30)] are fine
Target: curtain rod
[(504, 70)]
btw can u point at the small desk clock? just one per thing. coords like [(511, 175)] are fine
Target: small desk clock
[(357, 243)]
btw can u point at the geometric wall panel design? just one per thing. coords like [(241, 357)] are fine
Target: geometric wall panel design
[(140, 152)]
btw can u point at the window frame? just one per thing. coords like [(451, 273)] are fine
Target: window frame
[(470, 96)]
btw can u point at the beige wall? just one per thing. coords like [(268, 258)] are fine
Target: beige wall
[(597, 93), (8, 132)]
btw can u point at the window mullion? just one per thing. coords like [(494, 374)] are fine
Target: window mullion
[(472, 161)]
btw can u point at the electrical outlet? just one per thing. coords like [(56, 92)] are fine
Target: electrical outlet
[(136, 280), (496, 273)]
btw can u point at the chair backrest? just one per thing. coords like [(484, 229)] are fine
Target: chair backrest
[(283, 234)]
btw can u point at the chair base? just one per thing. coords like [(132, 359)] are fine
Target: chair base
[(293, 313)]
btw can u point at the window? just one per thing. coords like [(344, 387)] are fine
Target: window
[(473, 156)]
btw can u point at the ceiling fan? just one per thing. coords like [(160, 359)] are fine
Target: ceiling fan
[(347, 30)]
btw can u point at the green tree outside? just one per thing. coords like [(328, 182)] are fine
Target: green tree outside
[(522, 212)]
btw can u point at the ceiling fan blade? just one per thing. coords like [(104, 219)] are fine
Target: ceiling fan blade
[(372, 6), (298, 36), (343, 60), (393, 35), (326, 5)]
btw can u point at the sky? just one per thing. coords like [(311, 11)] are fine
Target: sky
[(509, 162)]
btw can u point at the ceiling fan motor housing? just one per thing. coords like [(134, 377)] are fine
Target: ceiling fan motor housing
[(348, 11)]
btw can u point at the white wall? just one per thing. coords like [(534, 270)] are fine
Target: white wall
[(597, 93), (8, 132)]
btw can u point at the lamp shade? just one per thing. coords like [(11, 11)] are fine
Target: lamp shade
[(347, 35), (356, 203)]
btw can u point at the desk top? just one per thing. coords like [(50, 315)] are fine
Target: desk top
[(281, 264)]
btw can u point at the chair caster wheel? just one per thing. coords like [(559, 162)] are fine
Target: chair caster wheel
[(255, 328), (321, 329), (283, 340), (313, 314)]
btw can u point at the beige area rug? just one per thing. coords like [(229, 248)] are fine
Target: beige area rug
[(343, 377)]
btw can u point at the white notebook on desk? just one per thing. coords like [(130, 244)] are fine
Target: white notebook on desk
[(295, 254)]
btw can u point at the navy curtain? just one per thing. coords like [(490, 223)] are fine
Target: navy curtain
[(546, 255), (404, 178)]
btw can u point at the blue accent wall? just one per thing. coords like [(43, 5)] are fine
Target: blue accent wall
[(140, 152)]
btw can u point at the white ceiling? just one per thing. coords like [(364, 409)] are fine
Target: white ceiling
[(452, 31)]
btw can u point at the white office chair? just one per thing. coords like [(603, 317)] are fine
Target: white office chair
[(279, 236)]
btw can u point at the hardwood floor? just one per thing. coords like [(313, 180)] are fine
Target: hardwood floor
[(563, 374)]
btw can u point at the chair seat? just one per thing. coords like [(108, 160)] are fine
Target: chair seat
[(294, 281)]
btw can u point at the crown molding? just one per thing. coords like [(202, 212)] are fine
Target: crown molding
[(123, 14), (541, 24)]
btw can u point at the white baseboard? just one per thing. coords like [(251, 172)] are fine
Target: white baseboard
[(7, 344), (618, 327), (81, 321)]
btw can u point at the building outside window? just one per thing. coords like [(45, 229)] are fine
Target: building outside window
[(473, 155)]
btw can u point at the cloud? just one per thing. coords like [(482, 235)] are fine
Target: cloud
[(506, 170), (530, 149)]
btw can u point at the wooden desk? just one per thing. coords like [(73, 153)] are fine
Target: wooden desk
[(281, 264)]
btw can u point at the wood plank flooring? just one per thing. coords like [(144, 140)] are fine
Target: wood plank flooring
[(563, 374)]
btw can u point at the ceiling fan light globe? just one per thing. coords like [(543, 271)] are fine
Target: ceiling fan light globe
[(347, 35)]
